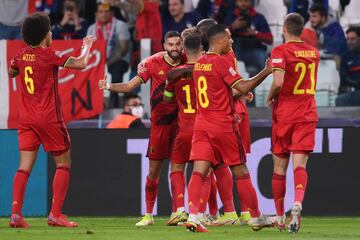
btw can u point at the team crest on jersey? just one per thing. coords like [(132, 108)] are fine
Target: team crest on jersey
[(277, 60), (58, 53), (161, 72), (232, 71)]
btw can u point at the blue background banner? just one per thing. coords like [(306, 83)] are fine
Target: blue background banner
[(36, 194)]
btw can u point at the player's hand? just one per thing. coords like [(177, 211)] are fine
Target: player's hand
[(88, 40), (270, 102), (103, 85), (268, 66), (249, 97)]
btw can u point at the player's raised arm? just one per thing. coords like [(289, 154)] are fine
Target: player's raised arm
[(246, 86), (120, 87), (81, 61)]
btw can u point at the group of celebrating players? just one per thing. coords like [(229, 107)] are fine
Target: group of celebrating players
[(198, 114)]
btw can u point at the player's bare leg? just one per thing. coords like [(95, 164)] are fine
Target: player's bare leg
[(60, 186), (247, 192), (200, 171), (281, 163), (177, 178), (151, 190), (300, 182), (27, 161)]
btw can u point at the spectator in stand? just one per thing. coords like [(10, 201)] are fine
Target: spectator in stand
[(178, 19), (350, 71), (117, 36), (226, 7), (12, 15), (132, 114), (331, 37), (302, 6), (71, 25), (50, 7), (251, 33)]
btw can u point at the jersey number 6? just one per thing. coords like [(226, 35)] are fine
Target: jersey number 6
[(29, 82)]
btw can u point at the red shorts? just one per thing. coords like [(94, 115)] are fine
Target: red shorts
[(244, 129), (292, 137), (182, 147), (218, 147), (161, 140), (53, 136)]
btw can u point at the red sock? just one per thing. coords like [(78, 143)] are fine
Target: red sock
[(224, 182), (20, 182), (151, 190), (177, 189), (247, 193), (213, 204), (279, 190), (300, 182), (60, 186), (205, 193), (194, 189)]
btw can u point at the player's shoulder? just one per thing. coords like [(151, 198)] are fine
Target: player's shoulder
[(156, 57), (280, 48)]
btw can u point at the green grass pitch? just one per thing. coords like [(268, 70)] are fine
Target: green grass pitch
[(123, 228)]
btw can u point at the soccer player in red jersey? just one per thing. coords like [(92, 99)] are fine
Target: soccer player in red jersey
[(182, 89), (292, 97), (216, 137), (163, 114), (223, 174), (40, 117)]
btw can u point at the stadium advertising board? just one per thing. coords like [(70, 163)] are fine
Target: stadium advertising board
[(109, 170)]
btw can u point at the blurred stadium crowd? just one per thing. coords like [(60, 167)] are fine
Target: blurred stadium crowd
[(333, 26)]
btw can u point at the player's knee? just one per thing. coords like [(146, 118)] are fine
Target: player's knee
[(239, 170), (177, 167)]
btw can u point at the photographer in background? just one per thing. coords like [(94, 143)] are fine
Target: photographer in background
[(132, 114), (251, 33), (71, 25)]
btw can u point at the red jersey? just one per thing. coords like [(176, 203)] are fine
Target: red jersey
[(296, 100), (184, 90), (157, 69), (214, 76), (39, 100)]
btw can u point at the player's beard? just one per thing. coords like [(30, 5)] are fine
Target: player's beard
[(174, 57)]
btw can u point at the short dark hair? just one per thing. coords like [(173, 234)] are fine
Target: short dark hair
[(319, 8), (171, 34), (35, 28), (190, 31), (215, 30), (128, 96), (205, 24), (193, 43), (294, 24), (354, 29)]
